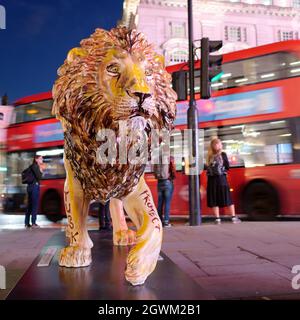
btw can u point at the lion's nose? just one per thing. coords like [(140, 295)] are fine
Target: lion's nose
[(142, 96)]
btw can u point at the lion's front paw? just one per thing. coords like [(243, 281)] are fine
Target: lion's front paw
[(139, 265), (75, 257), (124, 237)]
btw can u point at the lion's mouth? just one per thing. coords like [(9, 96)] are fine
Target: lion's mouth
[(138, 123), (139, 114)]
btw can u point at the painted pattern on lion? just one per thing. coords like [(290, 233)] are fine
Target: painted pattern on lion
[(113, 76)]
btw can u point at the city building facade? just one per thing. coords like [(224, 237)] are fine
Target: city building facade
[(239, 23)]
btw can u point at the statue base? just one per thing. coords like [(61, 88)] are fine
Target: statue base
[(104, 279)]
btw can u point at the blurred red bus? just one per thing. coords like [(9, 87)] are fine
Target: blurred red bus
[(254, 110), (5, 119)]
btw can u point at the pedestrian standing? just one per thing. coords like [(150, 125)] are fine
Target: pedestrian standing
[(104, 217), (218, 191), (33, 191), (165, 174)]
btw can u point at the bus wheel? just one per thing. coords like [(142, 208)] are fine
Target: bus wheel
[(51, 206), (260, 201)]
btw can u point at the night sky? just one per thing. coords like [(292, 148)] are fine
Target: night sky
[(38, 36)]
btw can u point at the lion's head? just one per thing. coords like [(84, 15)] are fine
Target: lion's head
[(114, 75)]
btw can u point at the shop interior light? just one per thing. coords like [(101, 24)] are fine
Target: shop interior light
[(286, 135), (295, 63), (32, 111), (226, 75), (237, 127), (241, 80), (267, 75), (218, 84), (277, 122), (53, 152), (295, 70)]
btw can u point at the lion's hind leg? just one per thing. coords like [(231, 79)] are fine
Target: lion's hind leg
[(143, 257)]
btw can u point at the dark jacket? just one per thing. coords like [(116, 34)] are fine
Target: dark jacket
[(37, 174), (214, 169)]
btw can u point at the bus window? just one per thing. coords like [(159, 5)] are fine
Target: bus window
[(16, 163), (54, 162), (270, 67), (197, 80), (256, 144), (292, 66), (33, 111), (295, 129), (175, 148)]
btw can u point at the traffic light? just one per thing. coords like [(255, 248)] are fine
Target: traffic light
[(211, 69), (179, 84)]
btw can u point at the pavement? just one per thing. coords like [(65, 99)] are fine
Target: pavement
[(18, 249), (251, 260)]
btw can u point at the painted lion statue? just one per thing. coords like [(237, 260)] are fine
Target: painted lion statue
[(114, 77)]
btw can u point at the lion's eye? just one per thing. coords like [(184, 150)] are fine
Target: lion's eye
[(114, 69), (148, 72)]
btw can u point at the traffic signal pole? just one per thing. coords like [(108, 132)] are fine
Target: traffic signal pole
[(194, 179)]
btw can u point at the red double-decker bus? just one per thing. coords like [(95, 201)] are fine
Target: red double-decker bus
[(35, 131), (253, 110)]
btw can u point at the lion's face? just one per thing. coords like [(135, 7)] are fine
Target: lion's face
[(127, 83), (114, 76)]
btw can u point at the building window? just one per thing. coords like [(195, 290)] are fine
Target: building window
[(296, 3), (287, 35), (266, 2), (177, 56), (177, 29), (233, 33), (245, 34)]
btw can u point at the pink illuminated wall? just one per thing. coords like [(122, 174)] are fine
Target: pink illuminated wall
[(240, 24)]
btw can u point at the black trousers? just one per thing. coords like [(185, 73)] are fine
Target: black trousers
[(104, 215)]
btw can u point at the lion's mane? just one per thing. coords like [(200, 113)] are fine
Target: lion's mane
[(83, 109)]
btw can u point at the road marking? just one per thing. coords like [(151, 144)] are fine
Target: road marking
[(2, 278), (47, 257)]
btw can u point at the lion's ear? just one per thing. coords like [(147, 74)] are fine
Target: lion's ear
[(160, 59), (76, 53)]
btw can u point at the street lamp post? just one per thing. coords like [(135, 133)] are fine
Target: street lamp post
[(194, 190)]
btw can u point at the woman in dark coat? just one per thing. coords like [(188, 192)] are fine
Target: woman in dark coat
[(33, 191), (218, 192)]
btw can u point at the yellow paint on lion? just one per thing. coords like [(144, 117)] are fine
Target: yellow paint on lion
[(132, 69), (161, 59), (72, 193), (76, 52), (111, 53), (115, 89), (143, 227), (141, 84)]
